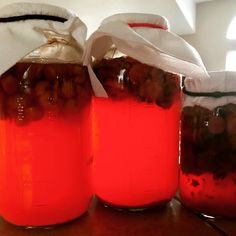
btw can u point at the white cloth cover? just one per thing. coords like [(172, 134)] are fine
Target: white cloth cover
[(219, 81), (153, 46), (45, 39)]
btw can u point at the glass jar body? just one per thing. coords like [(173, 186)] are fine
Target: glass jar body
[(45, 133), (208, 160), (136, 134)]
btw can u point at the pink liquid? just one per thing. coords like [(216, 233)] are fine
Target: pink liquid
[(136, 152), (45, 169), (209, 196)]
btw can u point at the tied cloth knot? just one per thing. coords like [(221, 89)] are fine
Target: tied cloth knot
[(55, 37)]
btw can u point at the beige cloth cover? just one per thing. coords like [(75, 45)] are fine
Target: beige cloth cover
[(155, 46), (45, 39)]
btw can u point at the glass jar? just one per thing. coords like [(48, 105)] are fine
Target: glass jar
[(208, 154), (45, 125), (136, 110), (136, 134)]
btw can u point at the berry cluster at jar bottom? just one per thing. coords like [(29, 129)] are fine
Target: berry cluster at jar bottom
[(208, 140), (30, 90), (124, 77)]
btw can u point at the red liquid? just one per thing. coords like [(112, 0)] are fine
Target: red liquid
[(45, 169), (136, 152), (213, 197)]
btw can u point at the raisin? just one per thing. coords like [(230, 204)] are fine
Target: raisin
[(138, 72), (42, 87), (68, 88), (153, 91), (231, 124), (10, 84), (50, 73), (216, 125), (47, 100), (79, 73)]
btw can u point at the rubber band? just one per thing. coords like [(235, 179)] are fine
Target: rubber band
[(147, 25)]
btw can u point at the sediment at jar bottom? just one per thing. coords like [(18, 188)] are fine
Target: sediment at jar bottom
[(124, 77), (209, 196), (29, 91), (208, 140)]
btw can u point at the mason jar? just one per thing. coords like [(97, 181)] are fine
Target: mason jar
[(136, 132), (45, 117), (136, 110), (208, 145)]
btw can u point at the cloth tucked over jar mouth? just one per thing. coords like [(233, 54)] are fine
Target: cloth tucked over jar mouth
[(146, 38), (40, 33), (167, 50)]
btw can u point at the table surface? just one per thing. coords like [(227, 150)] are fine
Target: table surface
[(173, 219)]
